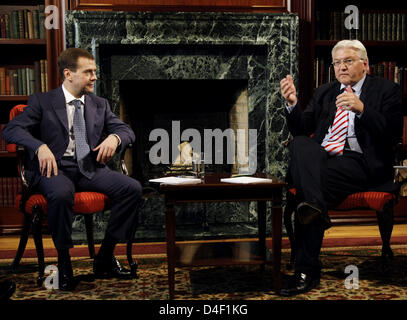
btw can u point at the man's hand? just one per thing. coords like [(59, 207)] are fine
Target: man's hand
[(288, 90), (107, 149), (350, 101), (47, 161)]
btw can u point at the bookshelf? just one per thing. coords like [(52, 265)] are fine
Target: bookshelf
[(28, 55)]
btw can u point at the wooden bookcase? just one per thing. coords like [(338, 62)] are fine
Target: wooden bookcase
[(17, 53)]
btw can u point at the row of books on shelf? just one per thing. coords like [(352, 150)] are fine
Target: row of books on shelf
[(324, 72), (10, 187), (24, 80), (23, 24), (371, 27)]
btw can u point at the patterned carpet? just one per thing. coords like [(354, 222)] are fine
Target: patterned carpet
[(223, 283)]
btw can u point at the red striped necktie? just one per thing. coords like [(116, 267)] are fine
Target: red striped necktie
[(339, 130)]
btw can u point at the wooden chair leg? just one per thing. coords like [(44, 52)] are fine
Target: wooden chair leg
[(37, 234), (288, 213), (23, 241), (89, 234)]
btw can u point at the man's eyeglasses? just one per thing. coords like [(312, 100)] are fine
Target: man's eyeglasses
[(347, 62)]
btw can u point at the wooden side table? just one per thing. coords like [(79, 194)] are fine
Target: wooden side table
[(212, 190)]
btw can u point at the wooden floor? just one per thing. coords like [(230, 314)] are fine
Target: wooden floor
[(11, 242)]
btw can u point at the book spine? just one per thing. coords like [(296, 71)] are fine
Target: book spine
[(15, 82), (24, 81), (31, 80), (379, 27), (2, 26), (384, 28), (389, 25), (21, 24), (7, 84), (37, 76), (396, 74), (35, 24), (374, 26), (398, 27), (7, 20), (2, 80), (41, 22), (19, 82), (46, 75), (25, 20), (14, 25), (30, 24), (42, 62)]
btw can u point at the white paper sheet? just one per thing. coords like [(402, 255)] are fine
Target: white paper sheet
[(176, 180), (246, 180)]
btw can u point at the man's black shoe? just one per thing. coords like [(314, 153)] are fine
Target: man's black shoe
[(7, 289), (308, 212), (301, 283), (65, 275), (109, 268)]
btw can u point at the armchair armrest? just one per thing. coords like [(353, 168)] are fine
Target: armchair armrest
[(123, 167)]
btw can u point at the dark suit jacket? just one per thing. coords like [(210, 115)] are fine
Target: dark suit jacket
[(45, 120), (378, 130)]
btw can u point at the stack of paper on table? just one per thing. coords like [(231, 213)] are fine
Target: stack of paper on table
[(176, 180), (246, 180)]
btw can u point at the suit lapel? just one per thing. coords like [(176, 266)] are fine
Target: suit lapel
[(332, 105), (364, 95), (59, 104)]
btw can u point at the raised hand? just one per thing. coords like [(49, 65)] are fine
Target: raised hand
[(288, 90)]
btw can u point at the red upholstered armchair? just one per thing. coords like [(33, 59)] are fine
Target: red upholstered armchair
[(34, 207)]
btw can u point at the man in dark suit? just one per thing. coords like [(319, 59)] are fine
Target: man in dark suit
[(342, 144), (70, 134)]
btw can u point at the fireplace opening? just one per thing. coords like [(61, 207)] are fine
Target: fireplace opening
[(148, 105)]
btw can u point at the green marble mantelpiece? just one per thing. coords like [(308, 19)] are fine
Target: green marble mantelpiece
[(259, 48)]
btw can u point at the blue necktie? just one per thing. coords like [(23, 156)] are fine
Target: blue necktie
[(82, 149)]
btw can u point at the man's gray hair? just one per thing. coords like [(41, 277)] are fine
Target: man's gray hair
[(351, 44)]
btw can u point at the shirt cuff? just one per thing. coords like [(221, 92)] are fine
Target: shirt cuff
[(118, 138), (290, 108)]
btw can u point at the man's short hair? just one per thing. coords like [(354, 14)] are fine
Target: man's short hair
[(351, 44), (68, 59)]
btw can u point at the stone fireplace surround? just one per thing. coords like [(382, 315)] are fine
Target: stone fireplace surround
[(257, 48)]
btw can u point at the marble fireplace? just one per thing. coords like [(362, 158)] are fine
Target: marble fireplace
[(198, 69)]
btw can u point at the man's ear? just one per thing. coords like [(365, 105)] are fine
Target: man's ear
[(67, 73)]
